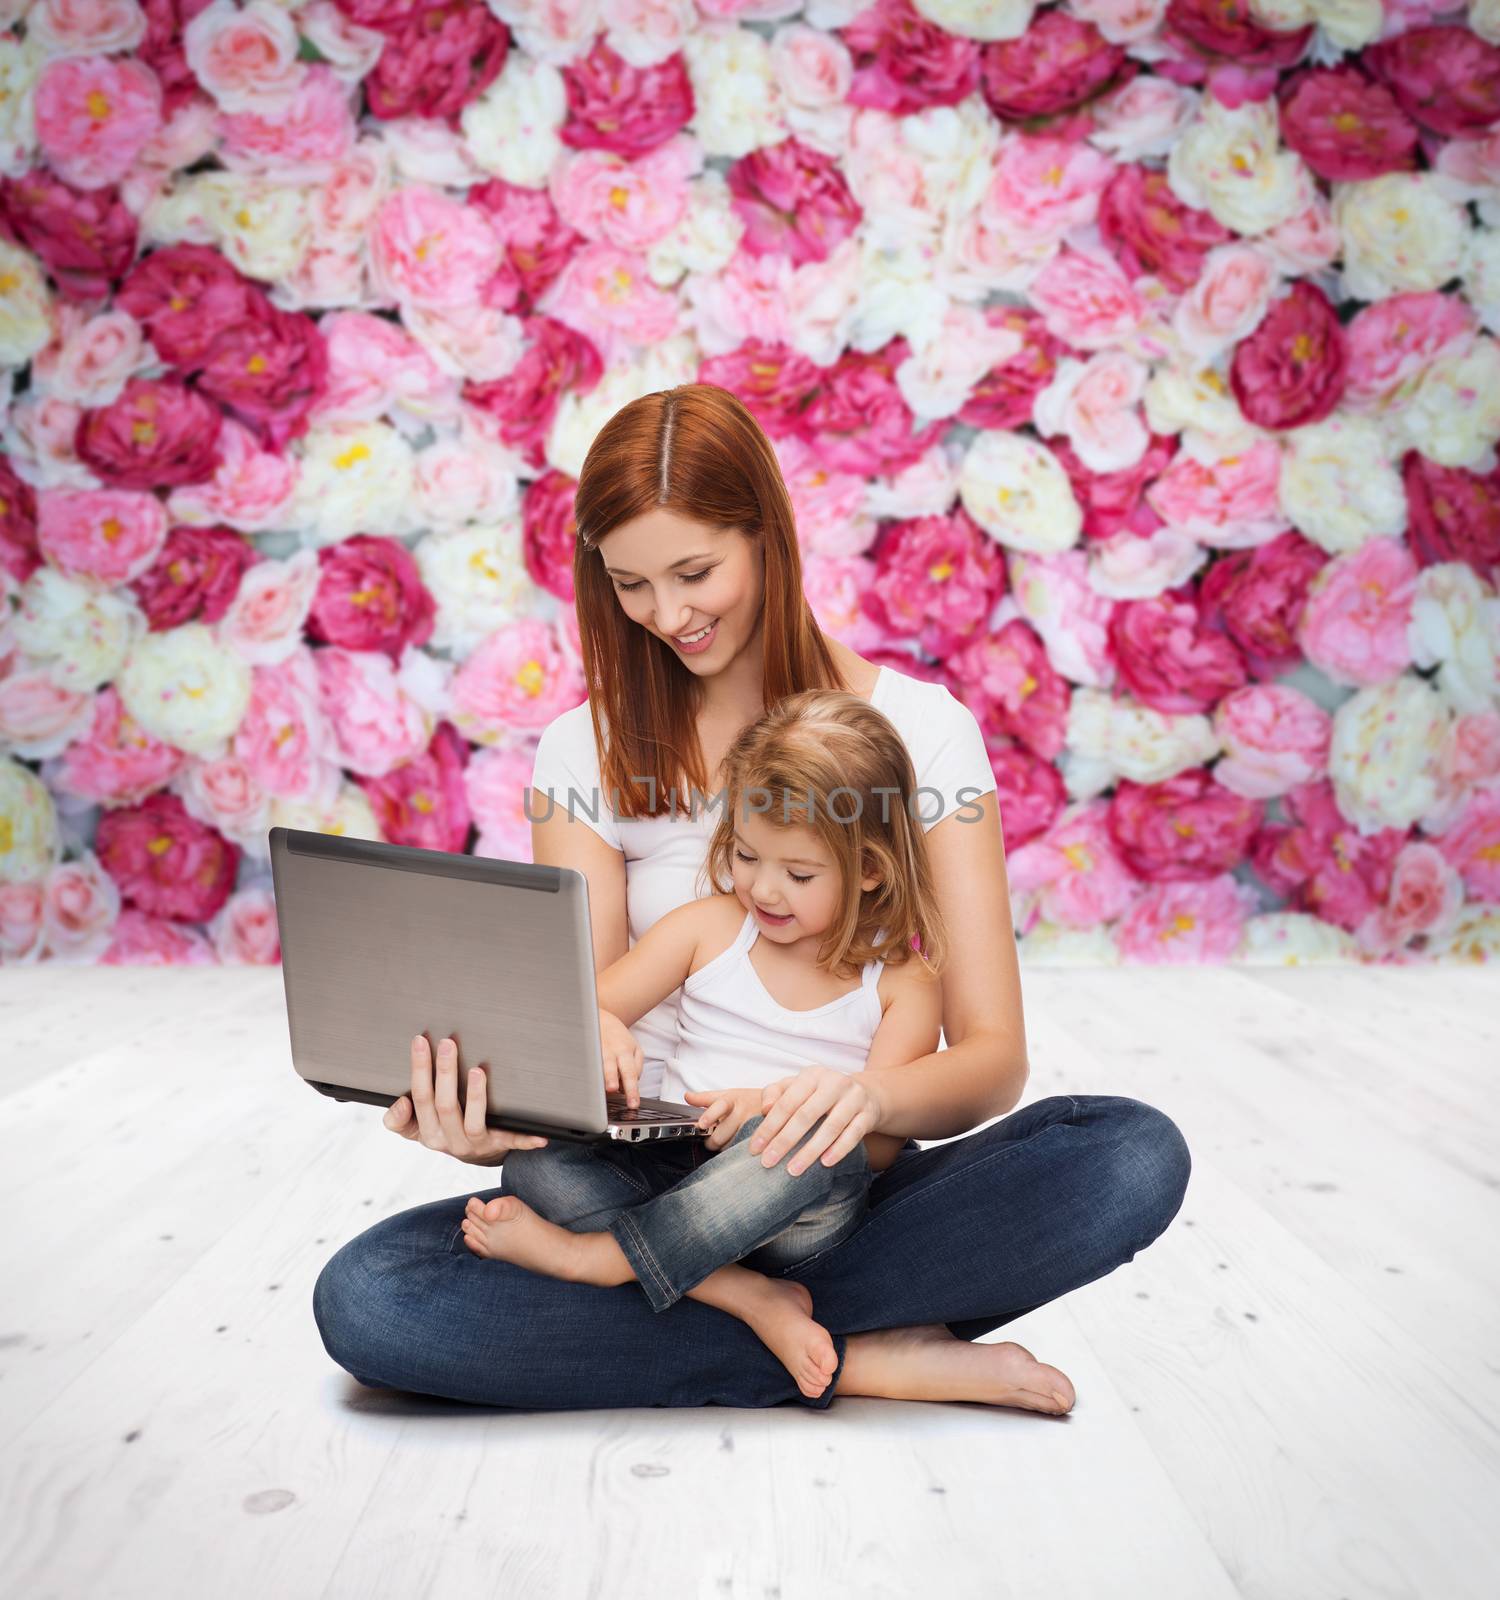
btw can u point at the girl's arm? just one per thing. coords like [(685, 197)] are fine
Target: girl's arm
[(654, 966)]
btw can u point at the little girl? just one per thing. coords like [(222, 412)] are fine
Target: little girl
[(809, 959)]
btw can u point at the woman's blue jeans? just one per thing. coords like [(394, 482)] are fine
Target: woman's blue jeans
[(973, 1233), (678, 1210)]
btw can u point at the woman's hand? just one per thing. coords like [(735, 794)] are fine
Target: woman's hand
[(438, 1123), (623, 1058), (725, 1111), (845, 1101)]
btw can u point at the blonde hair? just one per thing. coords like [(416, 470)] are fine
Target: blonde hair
[(835, 749)]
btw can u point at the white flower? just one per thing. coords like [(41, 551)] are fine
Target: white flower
[(979, 19), (705, 238), (1128, 567), (1049, 944), (1230, 163), (21, 61), (1484, 18), (478, 577), (351, 816), (511, 129), (1482, 276), (1474, 938), (25, 306), (1385, 753), (1185, 397), (1338, 484), (185, 688), (263, 225), (1347, 24), (83, 634), (556, 34), (1017, 491), (1108, 739), (353, 479), (1455, 626), (1294, 939), (1400, 231), (740, 106), (28, 825), (1453, 416)]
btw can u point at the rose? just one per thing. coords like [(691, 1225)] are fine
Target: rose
[(1227, 301), (156, 432), (100, 536), (1393, 342), (936, 580), (1345, 127), (196, 576), (370, 596), (1086, 300), (1338, 484), (1424, 897), (1400, 231), (1004, 397), (1359, 609), (793, 201), (1168, 659), (1455, 515), (1017, 491), (80, 905), (1187, 827), (1230, 164), (620, 101), (1095, 404), (115, 762), (1006, 679), (94, 115), (435, 60), (1150, 230), (165, 862), (422, 801), (1079, 877), (1291, 370), (904, 63), (1057, 64), (1182, 922), (1257, 597), (1274, 738), (1447, 78)]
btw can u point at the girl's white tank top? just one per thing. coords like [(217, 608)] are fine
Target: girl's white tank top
[(732, 1035)]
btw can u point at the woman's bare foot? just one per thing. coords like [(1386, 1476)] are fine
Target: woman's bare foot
[(507, 1229), (780, 1312), (930, 1363)]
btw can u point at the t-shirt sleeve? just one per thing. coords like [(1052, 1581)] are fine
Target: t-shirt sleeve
[(957, 764), (565, 774)]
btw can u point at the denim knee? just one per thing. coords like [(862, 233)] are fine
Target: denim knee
[(856, 1162), (344, 1307), (1153, 1165)]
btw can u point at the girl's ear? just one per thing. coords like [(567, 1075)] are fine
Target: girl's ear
[(872, 878)]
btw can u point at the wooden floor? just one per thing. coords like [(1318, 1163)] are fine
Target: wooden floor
[(1293, 1394)]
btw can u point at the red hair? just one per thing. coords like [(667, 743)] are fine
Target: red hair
[(694, 450)]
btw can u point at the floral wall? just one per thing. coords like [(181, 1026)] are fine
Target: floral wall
[(1132, 366)]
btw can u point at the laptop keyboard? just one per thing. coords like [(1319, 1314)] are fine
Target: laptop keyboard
[(620, 1111)]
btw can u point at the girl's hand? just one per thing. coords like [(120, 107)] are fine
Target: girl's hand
[(623, 1058), (431, 1115), (725, 1111), (846, 1102)]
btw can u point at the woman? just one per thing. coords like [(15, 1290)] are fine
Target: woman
[(691, 620)]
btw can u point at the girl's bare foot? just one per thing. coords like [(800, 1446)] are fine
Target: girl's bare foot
[(930, 1363), (780, 1312), (507, 1229)]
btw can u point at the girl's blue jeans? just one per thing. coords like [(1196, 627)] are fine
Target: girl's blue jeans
[(973, 1233), (678, 1210)]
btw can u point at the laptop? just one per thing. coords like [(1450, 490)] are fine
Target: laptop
[(381, 942)]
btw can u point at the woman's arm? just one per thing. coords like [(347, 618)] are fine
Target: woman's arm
[(984, 1069), (562, 840)]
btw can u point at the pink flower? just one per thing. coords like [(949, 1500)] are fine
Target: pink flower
[(94, 116), (1095, 403), (1187, 827), (1168, 658), (21, 922), (1007, 681), (245, 57), (422, 802), (284, 739), (316, 128), (165, 862), (1151, 231), (185, 296), (265, 620), (91, 356), (625, 109), (536, 242), (85, 238), (525, 401), (1043, 188), (430, 250), (370, 596), (1113, 502), (142, 940), (1187, 922), (1057, 64), (549, 533), (773, 381), (1229, 502), (1223, 31), (103, 537), (1004, 397), (18, 551), (1080, 877), (793, 201), (1257, 597), (1345, 127), (116, 763), (608, 295), (936, 580), (1029, 791), (829, 507), (1086, 301), (245, 932), (1472, 845), (269, 369), (1228, 299), (1359, 610), (375, 723), (1273, 737), (495, 782), (520, 677), (858, 419), (1447, 78), (158, 432), (251, 489), (436, 59), (195, 577), (39, 717), (631, 204), (1455, 514), (222, 794), (1423, 898), (1291, 370), (1322, 861), (81, 904), (835, 587), (1393, 342), (903, 63)]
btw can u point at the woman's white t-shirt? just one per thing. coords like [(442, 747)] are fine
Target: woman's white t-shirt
[(663, 854)]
